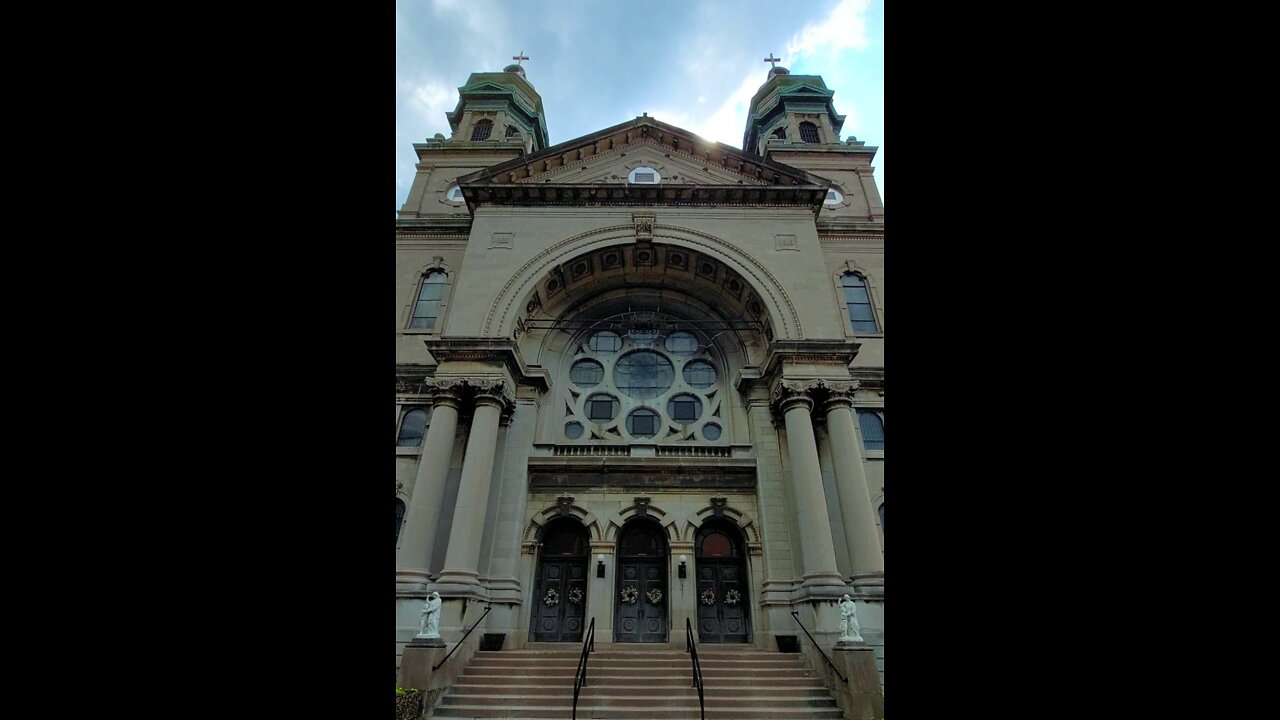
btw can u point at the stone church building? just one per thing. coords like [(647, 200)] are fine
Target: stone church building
[(640, 379)]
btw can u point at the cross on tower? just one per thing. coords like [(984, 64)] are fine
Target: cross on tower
[(771, 60), (522, 56)]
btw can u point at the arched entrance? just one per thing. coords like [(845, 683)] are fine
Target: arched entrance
[(723, 601), (560, 593), (641, 616)]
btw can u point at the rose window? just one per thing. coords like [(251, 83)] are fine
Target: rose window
[(643, 384)]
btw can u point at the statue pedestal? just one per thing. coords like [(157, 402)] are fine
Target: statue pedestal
[(427, 642), (861, 697)]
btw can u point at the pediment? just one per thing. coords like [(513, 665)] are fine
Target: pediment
[(605, 157), (615, 166)]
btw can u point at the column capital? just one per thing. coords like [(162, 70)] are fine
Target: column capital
[(495, 392), (787, 393)]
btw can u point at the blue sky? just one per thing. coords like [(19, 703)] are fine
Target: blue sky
[(692, 63)]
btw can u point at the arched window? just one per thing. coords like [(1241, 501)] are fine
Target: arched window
[(809, 132), (511, 131), (427, 309), (872, 429), (482, 129), (399, 518), (858, 301), (412, 428), (780, 133)]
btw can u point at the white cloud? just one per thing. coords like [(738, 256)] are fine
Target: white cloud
[(843, 29)]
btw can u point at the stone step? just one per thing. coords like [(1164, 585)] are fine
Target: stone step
[(675, 679), (601, 657), (640, 670), (632, 700), (674, 687), (641, 667), (539, 711)]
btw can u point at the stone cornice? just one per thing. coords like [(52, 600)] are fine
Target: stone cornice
[(488, 349), (825, 352), (674, 194)]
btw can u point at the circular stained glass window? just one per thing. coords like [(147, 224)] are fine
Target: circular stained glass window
[(643, 374), (711, 432), (586, 373), (699, 374), (684, 408), (605, 341), (682, 343), (643, 423), (573, 430)]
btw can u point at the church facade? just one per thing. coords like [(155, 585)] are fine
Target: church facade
[(640, 378)]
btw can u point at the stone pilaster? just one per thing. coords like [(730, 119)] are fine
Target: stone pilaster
[(421, 520), (461, 576)]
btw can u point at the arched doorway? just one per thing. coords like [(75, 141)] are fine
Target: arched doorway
[(723, 601), (641, 615), (560, 593)]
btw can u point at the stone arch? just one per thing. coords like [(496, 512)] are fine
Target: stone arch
[(540, 518), (745, 521), (521, 287), (638, 510)]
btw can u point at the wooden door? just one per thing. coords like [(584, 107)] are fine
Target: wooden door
[(640, 615), (560, 593), (723, 604)]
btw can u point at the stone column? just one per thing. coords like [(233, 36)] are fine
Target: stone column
[(865, 557), (418, 536), (461, 575), (816, 543), (504, 583)]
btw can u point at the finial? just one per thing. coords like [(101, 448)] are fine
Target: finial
[(772, 60), (521, 57)]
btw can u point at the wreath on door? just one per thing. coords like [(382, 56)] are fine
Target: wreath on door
[(552, 598), (575, 596), (708, 597), (629, 594), (655, 596), (732, 597)]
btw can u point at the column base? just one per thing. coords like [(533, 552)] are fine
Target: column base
[(824, 585), (868, 583), (412, 580), (460, 584)]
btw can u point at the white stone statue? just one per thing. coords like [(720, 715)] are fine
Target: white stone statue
[(849, 630), (429, 626)]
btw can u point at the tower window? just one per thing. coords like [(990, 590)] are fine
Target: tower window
[(482, 130), (809, 132), (511, 131), (780, 133), (872, 429), (858, 302), (427, 309)]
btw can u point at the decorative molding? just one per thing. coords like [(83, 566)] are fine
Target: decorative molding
[(815, 393), (644, 223), (565, 503)]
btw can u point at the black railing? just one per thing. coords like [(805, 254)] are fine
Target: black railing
[(818, 647), (580, 680), (436, 667), (691, 647)]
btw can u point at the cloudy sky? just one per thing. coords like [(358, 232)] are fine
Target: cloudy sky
[(692, 63)]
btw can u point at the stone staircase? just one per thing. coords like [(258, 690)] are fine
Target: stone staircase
[(634, 683)]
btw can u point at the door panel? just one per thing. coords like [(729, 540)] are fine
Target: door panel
[(642, 620), (720, 622), (561, 622)]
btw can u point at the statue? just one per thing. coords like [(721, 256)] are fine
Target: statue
[(429, 626), (849, 630)]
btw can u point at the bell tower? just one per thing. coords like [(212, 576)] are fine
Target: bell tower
[(499, 117), (793, 120)]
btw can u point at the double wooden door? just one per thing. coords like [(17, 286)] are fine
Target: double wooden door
[(722, 602), (639, 618)]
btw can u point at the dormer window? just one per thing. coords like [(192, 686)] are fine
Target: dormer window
[(644, 176), (809, 132)]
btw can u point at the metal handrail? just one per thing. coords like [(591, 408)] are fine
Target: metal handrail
[(796, 615), (691, 647), (580, 679), (436, 667)]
